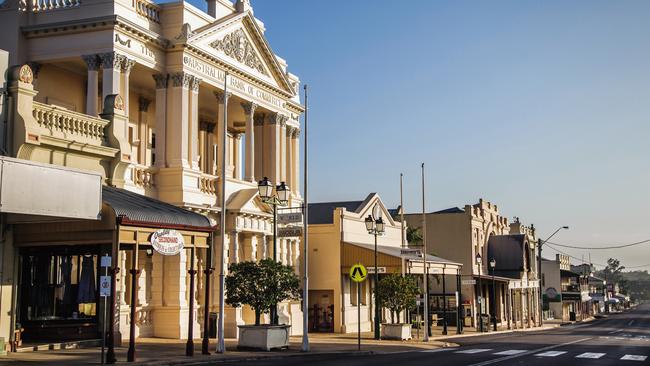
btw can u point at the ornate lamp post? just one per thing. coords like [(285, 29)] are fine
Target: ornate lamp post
[(375, 226), (280, 198), (479, 315), (493, 264)]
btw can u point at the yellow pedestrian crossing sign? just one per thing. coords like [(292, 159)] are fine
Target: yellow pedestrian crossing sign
[(358, 273)]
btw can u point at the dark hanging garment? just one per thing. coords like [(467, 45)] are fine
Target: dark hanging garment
[(86, 292), (66, 280)]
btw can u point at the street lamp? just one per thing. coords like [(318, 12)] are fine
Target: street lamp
[(539, 271), (493, 264), (375, 226), (480, 292), (281, 198)]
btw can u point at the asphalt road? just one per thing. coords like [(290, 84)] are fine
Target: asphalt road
[(620, 339)]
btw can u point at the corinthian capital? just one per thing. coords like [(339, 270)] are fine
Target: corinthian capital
[(127, 64), (181, 79), (162, 80), (277, 118), (220, 96), (249, 108), (92, 61), (111, 60)]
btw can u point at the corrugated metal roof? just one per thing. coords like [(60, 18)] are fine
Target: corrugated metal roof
[(323, 213), (137, 208)]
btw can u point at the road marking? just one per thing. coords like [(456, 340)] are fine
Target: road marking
[(475, 350), (434, 350), (630, 323), (550, 354), (510, 352), (634, 358), (615, 331), (548, 348), (591, 355)]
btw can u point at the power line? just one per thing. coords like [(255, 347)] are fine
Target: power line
[(595, 264), (600, 248)]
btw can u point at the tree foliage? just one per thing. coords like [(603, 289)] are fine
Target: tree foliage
[(397, 293), (261, 285), (414, 235)]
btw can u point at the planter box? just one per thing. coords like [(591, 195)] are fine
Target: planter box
[(396, 331), (263, 337)]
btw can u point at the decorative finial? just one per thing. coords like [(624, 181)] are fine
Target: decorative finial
[(243, 6)]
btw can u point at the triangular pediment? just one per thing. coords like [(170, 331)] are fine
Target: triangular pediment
[(248, 201), (238, 40), (374, 206)]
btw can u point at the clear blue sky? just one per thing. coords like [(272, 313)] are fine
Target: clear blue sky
[(542, 107)]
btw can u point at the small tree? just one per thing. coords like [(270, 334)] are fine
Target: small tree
[(414, 235), (397, 293), (261, 285)]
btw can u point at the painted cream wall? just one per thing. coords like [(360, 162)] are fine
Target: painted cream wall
[(61, 87), (551, 273)]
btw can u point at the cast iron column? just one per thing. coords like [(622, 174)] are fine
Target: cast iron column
[(189, 346), (377, 334)]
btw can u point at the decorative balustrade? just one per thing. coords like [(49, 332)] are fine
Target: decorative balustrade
[(147, 9), (45, 5), (72, 125), (208, 184), (142, 176)]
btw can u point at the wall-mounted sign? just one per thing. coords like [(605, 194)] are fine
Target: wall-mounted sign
[(167, 242), (468, 282), (411, 252), (380, 269), (286, 232), (290, 218)]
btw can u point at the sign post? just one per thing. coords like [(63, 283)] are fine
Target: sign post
[(104, 292), (358, 274)]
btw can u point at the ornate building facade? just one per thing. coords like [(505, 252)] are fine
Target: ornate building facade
[(134, 91)]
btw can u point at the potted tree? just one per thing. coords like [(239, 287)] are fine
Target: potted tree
[(397, 293), (261, 285)]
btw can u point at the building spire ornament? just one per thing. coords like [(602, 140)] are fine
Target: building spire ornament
[(243, 6)]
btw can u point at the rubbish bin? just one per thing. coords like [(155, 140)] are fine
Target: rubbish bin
[(485, 321), (212, 325)]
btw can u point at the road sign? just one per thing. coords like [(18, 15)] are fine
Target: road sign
[(411, 252), (104, 286), (290, 218), (285, 232), (380, 270), (468, 282), (358, 273)]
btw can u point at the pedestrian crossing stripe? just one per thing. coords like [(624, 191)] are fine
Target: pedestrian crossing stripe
[(475, 350), (633, 358), (511, 352), (550, 353), (591, 355)]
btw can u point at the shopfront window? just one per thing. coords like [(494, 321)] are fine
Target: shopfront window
[(58, 286)]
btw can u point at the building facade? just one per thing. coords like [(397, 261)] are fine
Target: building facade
[(140, 93), (463, 235), (338, 239)]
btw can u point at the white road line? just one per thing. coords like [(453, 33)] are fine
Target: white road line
[(591, 355), (548, 348), (435, 350), (475, 350), (615, 331), (550, 354), (510, 352), (634, 358), (630, 323)]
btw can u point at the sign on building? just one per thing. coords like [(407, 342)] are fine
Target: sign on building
[(468, 282), (290, 218), (380, 269), (285, 232), (167, 242), (412, 252)]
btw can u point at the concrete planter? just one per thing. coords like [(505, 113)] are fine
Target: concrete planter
[(396, 331), (263, 337)]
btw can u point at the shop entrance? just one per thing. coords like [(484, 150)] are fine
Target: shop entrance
[(58, 297)]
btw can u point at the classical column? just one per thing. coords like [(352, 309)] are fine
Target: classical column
[(249, 110), (288, 163), (178, 115), (194, 123), (143, 108), (157, 287), (112, 65), (234, 253), (92, 62), (273, 135), (160, 126), (221, 102), (283, 150), (259, 146), (127, 65), (265, 247), (236, 152), (295, 168)]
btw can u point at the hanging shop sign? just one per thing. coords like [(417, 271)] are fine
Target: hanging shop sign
[(167, 242), (290, 218), (286, 232)]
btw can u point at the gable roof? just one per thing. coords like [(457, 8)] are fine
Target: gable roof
[(323, 213), (250, 25)]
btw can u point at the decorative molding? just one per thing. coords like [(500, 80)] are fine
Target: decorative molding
[(118, 103), (249, 107), (237, 46), (277, 118), (36, 68), (258, 119), (162, 80), (111, 60), (186, 33), (119, 40), (93, 62), (127, 64), (25, 74), (195, 82)]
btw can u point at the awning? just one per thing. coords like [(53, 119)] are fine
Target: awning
[(138, 210), (391, 259)]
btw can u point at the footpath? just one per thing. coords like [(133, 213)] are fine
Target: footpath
[(162, 352)]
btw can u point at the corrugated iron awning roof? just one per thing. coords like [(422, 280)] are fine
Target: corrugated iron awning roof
[(137, 209), (397, 252)]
